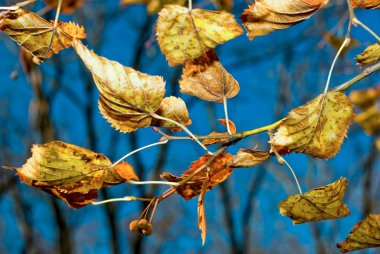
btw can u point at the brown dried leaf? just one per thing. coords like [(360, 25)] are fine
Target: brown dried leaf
[(202, 224), (127, 96), (35, 33), (185, 35), (321, 203), (370, 55), (210, 141), (72, 173), (218, 172), (223, 4), (316, 128), (206, 78), (365, 98), (266, 16), (174, 109), (368, 4), (246, 158), (68, 6), (365, 234)]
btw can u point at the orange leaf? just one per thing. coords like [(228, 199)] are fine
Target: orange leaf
[(210, 141), (266, 16), (126, 171), (37, 35), (218, 172), (368, 4), (201, 210), (68, 6)]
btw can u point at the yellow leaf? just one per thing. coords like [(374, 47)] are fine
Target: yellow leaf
[(321, 203), (206, 78), (370, 55), (37, 35), (368, 4), (153, 6), (246, 158), (365, 234), (72, 173), (127, 96), (365, 98), (174, 109), (185, 35), (266, 16), (316, 128)]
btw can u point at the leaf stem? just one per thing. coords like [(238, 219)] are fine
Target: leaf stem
[(138, 150), (226, 115), (190, 5), (357, 21), (183, 128), (126, 198), (366, 72), (152, 182)]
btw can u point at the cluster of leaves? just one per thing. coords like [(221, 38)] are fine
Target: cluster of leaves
[(130, 100)]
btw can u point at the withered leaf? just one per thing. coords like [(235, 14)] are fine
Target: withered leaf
[(266, 16), (218, 172), (367, 4), (202, 224), (37, 35), (174, 109), (68, 6), (206, 78), (336, 42), (365, 98), (213, 135), (127, 96), (316, 128), (370, 55), (153, 6), (223, 4), (246, 158), (72, 173), (185, 35), (365, 234), (321, 203)]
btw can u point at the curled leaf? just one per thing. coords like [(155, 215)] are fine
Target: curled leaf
[(202, 225), (316, 128), (206, 78), (174, 109), (370, 55), (127, 96), (72, 173), (367, 4), (37, 35), (365, 234), (185, 35), (321, 203), (214, 135), (218, 172), (266, 16), (246, 158)]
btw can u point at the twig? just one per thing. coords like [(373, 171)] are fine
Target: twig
[(126, 198), (138, 150), (357, 21), (152, 182), (226, 115)]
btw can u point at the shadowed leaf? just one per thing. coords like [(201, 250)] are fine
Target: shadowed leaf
[(185, 35), (127, 96), (365, 234), (316, 128), (246, 158), (35, 33), (266, 16), (321, 203), (68, 6)]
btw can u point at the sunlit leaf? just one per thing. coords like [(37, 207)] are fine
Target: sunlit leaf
[(368, 4), (174, 109), (153, 6), (185, 35), (370, 55), (213, 135), (72, 173), (321, 203), (266, 16), (127, 96), (206, 78), (218, 172), (246, 158), (316, 128), (365, 234), (68, 6), (37, 35)]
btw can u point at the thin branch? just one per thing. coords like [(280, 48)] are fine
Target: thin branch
[(126, 198), (369, 30), (138, 150), (152, 182)]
